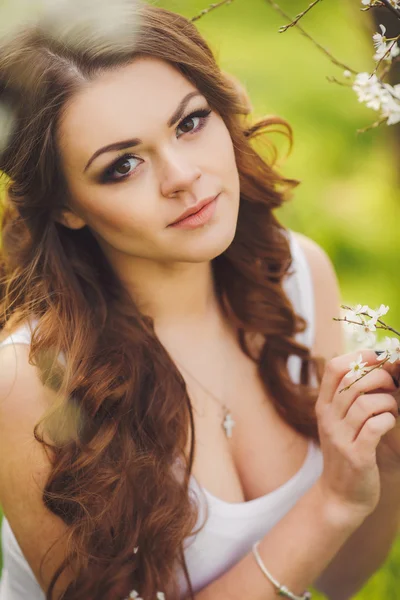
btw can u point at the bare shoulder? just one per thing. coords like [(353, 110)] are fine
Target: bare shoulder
[(24, 465), (22, 396), (317, 257), (328, 336)]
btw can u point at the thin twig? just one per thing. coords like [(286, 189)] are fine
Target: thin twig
[(209, 9), (387, 68), (388, 328), (364, 314), (345, 320), (308, 36), (300, 16), (378, 366), (373, 126), (332, 79), (388, 51)]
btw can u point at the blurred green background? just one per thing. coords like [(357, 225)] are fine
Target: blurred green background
[(348, 200)]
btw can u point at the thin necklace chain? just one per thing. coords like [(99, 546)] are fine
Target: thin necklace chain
[(228, 422)]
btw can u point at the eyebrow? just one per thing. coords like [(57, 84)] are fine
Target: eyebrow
[(136, 141)]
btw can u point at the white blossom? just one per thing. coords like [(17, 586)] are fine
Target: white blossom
[(363, 334), (356, 367), (369, 326), (160, 596), (347, 74), (378, 96), (391, 105), (378, 313), (356, 314), (380, 40), (136, 548), (391, 351), (369, 90), (362, 330), (385, 49)]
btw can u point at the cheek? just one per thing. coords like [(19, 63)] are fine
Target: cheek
[(223, 155), (119, 212)]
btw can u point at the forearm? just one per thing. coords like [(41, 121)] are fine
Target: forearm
[(295, 551), (367, 548)]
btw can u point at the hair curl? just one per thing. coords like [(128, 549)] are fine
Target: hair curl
[(120, 471)]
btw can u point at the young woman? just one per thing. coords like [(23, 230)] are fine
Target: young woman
[(157, 393)]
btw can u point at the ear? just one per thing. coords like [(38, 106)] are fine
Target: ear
[(70, 219)]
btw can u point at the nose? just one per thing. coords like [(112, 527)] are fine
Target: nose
[(178, 173)]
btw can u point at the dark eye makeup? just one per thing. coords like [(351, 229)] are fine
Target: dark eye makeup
[(119, 169)]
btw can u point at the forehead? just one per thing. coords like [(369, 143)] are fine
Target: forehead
[(130, 101)]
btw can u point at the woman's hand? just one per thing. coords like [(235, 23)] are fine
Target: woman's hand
[(351, 424)]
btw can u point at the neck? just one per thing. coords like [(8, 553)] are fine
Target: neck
[(179, 296)]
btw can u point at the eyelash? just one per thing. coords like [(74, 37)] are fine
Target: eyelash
[(202, 114)]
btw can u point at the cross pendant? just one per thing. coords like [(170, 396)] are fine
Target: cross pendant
[(228, 424)]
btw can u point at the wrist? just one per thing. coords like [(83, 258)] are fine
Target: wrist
[(338, 513)]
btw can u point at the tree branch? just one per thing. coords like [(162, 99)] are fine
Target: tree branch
[(308, 36), (379, 366), (300, 16), (209, 9)]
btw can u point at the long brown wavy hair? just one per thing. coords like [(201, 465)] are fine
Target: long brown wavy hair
[(118, 434)]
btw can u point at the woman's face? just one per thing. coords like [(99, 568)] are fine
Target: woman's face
[(139, 147)]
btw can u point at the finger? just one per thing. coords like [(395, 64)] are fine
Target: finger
[(394, 370), (370, 434), (378, 380), (365, 407), (337, 368)]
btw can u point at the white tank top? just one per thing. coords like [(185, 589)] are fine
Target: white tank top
[(230, 529)]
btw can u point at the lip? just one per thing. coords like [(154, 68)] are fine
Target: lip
[(193, 210)]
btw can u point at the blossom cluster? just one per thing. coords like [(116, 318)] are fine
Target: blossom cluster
[(379, 96), (370, 89), (363, 322), (385, 49)]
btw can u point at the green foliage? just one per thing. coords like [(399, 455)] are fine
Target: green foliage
[(348, 200)]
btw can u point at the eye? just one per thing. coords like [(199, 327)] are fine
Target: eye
[(194, 122), (122, 168)]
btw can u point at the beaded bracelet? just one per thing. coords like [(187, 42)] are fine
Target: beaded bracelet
[(282, 590)]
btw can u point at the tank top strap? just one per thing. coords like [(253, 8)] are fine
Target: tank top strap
[(21, 335), (300, 290)]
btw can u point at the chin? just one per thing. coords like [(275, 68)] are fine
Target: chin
[(212, 241)]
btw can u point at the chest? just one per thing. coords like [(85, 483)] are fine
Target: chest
[(264, 451)]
